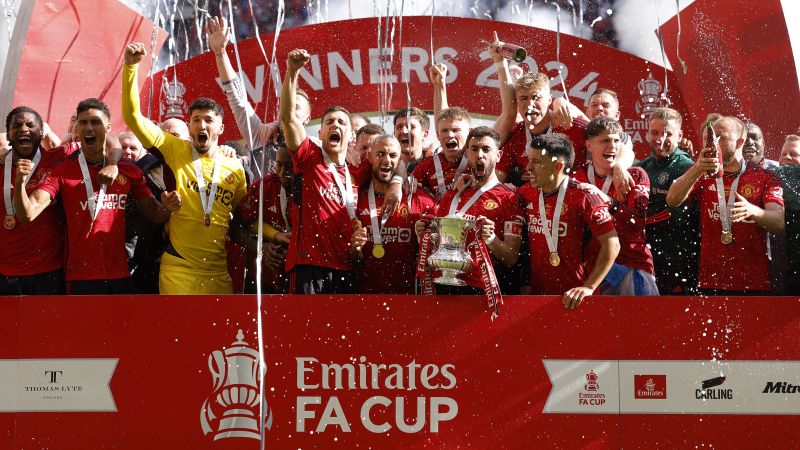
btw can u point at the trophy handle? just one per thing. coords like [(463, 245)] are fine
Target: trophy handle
[(218, 368)]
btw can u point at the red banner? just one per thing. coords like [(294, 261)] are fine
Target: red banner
[(74, 50), (349, 72), (402, 372), (739, 62)]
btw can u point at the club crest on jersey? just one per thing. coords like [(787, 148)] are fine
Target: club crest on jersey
[(748, 190), (662, 178), (122, 180), (230, 178), (403, 210), (490, 204)]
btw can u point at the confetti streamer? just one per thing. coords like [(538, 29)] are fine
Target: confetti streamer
[(558, 49), (678, 43), (663, 54), (153, 40)]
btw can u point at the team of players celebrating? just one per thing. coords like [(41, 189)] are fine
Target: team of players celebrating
[(556, 198)]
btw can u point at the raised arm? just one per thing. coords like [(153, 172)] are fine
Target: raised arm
[(508, 114), (438, 74), (680, 189), (295, 132), (148, 133)]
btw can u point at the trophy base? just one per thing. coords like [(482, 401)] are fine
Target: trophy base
[(449, 278)]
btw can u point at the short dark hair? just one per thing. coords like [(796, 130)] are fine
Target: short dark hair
[(600, 124), (557, 146), (480, 132), (93, 103), (22, 110), (204, 103), (370, 129), (334, 109), (413, 111), (608, 92)]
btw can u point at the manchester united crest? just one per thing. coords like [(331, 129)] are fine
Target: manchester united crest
[(121, 180), (490, 204), (748, 190)]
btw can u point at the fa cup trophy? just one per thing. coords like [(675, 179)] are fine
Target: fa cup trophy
[(451, 257)]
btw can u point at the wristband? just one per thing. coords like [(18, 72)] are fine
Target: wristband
[(490, 240), (269, 231)]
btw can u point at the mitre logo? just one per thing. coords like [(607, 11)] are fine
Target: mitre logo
[(650, 386), (232, 410)]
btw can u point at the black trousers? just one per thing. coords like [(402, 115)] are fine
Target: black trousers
[(48, 283), (322, 280)]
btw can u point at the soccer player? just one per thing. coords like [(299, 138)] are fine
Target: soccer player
[(411, 126), (558, 213), (31, 254), (365, 136), (790, 152), (210, 184), (632, 272), (277, 212), (672, 233), (318, 258), (753, 149), (96, 260), (736, 211), (438, 173), (489, 203), (386, 245)]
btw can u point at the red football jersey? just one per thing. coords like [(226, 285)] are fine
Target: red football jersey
[(98, 254), (322, 228), (393, 273), (38, 246), (515, 148), (629, 220), (578, 211), (499, 204), (742, 265), (272, 279), (425, 173)]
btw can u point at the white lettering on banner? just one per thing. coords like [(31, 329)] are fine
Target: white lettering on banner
[(352, 72), (694, 387), (378, 413), (57, 385), (110, 201)]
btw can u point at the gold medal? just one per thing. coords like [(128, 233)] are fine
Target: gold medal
[(378, 251), (356, 224), (207, 220), (727, 237), (10, 222), (555, 260)]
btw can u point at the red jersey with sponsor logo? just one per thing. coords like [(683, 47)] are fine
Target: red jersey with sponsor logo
[(38, 246), (272, 279), (98, 254), (499, 204), (425, 173), (578, 211), (323, 227), (629, 220), (742, 265), (393, 273), (515, 148)]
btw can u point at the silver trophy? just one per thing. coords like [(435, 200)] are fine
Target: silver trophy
[(451, 257)]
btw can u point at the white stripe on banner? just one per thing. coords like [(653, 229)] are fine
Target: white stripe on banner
[(673, 387), (56, 385)]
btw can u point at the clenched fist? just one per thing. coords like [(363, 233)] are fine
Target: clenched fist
[(134, 52), (297, 59)]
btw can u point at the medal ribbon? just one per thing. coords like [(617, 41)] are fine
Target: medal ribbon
[(87, 181), (724, 208), (373, 217), (284, 205), (491, 288), (551, 232), (437, 164), (347, 189), (207, 203), (7, 179), (606, 183), (472, 200), (423, 270)]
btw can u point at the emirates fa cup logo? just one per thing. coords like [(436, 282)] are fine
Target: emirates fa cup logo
[(650, 91), (172, 103), (591, 381), (233, 408)]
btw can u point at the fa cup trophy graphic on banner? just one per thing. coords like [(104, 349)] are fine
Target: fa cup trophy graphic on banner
[(233, 408), (172, 103), (451, 257)]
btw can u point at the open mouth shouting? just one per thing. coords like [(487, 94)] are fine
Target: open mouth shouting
[(405, 140), (24, 141), (335, 137), (479, 170), (90, 140), (610, 156), (202, 138), (451, 144)]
